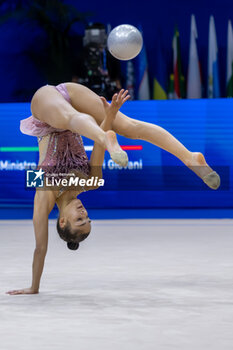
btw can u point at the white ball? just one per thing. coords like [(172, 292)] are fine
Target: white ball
[(125, 42)]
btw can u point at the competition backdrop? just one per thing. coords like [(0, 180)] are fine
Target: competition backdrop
[(154, 178)]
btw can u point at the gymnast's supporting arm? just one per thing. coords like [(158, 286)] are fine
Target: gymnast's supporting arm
[(43, 204)]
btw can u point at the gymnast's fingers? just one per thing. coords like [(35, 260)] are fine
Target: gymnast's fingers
[(14, 292), (126, 98), (125, 93)]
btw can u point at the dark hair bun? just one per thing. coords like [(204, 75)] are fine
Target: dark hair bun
[(72, 245)]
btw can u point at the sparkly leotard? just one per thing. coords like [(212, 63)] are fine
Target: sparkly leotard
[(65, 150)]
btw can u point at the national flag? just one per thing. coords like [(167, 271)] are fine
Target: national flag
[(230, 60), (171, 87), (194, 88), (179, 87), (160, 79), (142, 75), (213, 75)]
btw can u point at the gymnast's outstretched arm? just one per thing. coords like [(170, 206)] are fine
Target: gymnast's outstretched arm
[(97, 155)]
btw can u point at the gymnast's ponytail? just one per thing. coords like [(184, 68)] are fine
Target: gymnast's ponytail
[(72, 245)]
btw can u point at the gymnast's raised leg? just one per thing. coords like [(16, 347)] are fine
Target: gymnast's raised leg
[(87, 101), (160, 137)]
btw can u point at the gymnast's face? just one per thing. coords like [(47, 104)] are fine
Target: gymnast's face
[(77, 216)]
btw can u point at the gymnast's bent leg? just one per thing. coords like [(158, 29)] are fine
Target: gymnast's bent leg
[(50, 107)]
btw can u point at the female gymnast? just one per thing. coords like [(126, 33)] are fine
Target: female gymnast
[(60, 115)]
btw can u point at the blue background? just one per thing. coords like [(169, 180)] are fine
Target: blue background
[(157, 18), (201, 125)]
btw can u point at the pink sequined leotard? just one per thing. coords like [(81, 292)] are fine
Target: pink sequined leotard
[(65, 151)]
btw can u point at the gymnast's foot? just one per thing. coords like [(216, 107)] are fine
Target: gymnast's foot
[(117, 154), (199, 166)]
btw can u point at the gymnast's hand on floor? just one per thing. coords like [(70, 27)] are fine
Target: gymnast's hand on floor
[(23, 291), (118, 100)]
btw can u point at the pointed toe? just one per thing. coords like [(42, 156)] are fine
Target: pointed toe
[(212, 180), (121, 158)]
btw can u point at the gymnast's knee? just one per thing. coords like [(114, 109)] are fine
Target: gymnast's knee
[(74, 120), (134, 129)]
